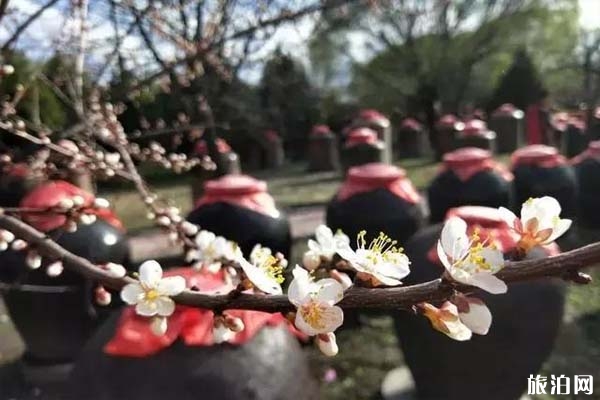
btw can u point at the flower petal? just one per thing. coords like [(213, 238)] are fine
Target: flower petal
[(442, 256), (454, 239), (146, 308), (328, 291), (488, 282), (171, 286), (508, 216), (260, 279), (331, 319), (150, 273), (560, 228), (494, 258), (479, 318), (165, 306), (324, 235), (299, 289), (132, 293)]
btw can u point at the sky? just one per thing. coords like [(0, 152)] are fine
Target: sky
[(292, 38)]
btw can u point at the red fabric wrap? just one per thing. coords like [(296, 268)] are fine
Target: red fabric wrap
[(411, 124), (491, 228), (374, 117), (538, 155), (18, 170), (534, 126), (239, 190), (134, 338), (361, 136), (373, 176), (201, 148), (593, 151), (506, 110), (474, 127), (272, 136), (320, 130), (49, 195), (449, 121), (468, 161)]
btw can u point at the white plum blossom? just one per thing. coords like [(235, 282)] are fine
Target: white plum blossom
[(540, 223), (315, 302), (468, 260), (381, 263), (264, 271), (152, 294), (211, 251), (446, 320), (324, 247)]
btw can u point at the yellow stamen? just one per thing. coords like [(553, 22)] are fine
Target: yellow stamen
[(312, 313)]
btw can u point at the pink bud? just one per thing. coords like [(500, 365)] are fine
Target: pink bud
[(326, 342), (55, 269), (33, 260), (103, 297)]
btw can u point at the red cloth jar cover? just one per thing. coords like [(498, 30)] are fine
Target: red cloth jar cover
[(239, 190), (538, 155), (49, 195), (271, 135), (374, 116), (134, 338), (17, 170), (508, 110), (593, 151), (320, 130), (201, 148), (474, 127), (369, 177), (490, 227), (361, 136), (468, 161), (450, 121), (411, 124)]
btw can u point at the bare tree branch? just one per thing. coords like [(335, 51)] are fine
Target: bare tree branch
[(13, 38)]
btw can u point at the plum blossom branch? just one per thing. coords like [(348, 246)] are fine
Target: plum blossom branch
[(565, 265)]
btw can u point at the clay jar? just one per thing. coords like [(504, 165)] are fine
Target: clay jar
[(476, 134), (540, 171), (56, 315), (508, 123), (496, 366), (239, 208), (362, 147), (322, 149), (377, 198), (469, 176), (125, 360), (587, 169)]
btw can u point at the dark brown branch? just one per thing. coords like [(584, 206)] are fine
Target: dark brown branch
[(389, 298)]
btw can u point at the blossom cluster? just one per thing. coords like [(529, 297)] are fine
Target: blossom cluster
[(331, 266)]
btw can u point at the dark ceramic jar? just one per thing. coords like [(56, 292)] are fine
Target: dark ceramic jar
[(15, 181), (587, 169), (362, 146), (475, 133), (377, 198), (540, 171), (409, 140), (264, 361), (496, 366), (469, 176), (228, 158), (322, 149), (575, 138), (375, 120), (56, 315), (239, 208), (509, 124), (447, 128)]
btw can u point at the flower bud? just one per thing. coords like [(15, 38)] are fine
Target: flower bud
[(235, 324), (116, 270), (189, 229), (33, 260), (66, 204), (87, 219), (159, 326), (55, 269), (163, 220), (342, 278), (103, 297), (7, 69), (327, 343), (101, 203), (78, 200), (70, 226), (19, 245), (311, 260), (6, 236)]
